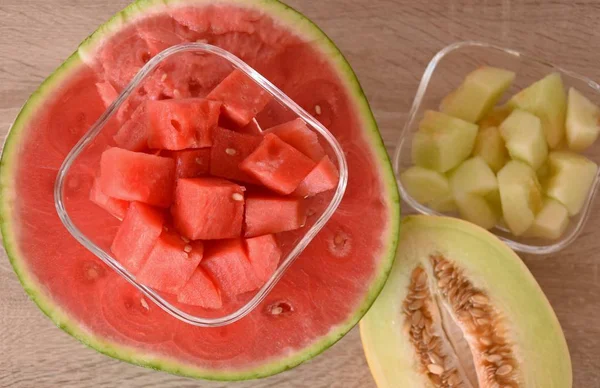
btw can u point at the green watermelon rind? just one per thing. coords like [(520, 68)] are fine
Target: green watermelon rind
[(141, 8)]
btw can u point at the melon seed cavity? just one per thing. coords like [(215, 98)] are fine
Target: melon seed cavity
[(457, 334)]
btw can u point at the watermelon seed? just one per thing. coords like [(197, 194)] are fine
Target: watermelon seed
[(176, 93), (280, 308), (202, 41), (144, 304), (185, 239), (237, 197), (187, 248), (166, 228), (310, 212), (164, 77), (198, 161), (230, 151), (276, 310), (318, 109)]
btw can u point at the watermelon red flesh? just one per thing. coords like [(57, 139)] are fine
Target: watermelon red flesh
[(136, 176), (190, 163), (264, 255), (228, 151), (267, 214), (181, 124), (242, 98), (170, 263), (208, 208), (200, 290), (325, 291), (277, 165), (297, 134), (228, 263), (133, 134), (116, 207), (322, 178), (137, 236)]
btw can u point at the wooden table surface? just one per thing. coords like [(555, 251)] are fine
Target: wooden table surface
[(388, 42)]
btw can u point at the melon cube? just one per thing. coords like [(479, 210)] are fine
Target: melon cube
[(200, 290), (473, 176), (137, 235), (479, 92), (490, 146), (208, 208), (425, 185), (520, 194), (116, 207), (297, 134), (133, 135), (547, 100), (277, 165), (493, 198), (266, 214), (551, 221), (264, 255), (228, 264), (190, 163), (474, 208), (445, 204), (135, 176), (496, 116), (228, 151), (524, 138), (583, 121), (442, 141), (242, 98), (322, 178), (171, 263), (181, 124), (571, 179)]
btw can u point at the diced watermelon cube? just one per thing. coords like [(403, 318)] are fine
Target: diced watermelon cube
[(107, 92), (228, 263), (201, 291), (277, 165), (190, 163), (135, 176), (137, 235), (299, 136), (251, 129), (116, 207), (264, 255), (171, 263), (242, 98), (208, 208), (133, 135), (228, 151), (266, 214), (323, 177), (182, 123)]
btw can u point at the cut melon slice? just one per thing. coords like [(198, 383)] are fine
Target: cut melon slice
[(524, 138), (520, 194), (473, 176), (474, 208), (582, 123), (571, 178), (478, 93), (490, 146), (424, 185), (546, 99), (442, 141), (551, 222), (496, 116)]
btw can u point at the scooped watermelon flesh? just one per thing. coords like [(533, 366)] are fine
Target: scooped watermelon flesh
[(321, 296)]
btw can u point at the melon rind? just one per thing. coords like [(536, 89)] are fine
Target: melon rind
[(8, 166)]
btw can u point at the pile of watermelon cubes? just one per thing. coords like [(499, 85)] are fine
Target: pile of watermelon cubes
[(201, 204)]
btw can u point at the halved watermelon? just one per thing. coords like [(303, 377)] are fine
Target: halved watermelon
[(326, 291)]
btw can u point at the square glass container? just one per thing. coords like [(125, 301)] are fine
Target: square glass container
[(444, 73), (202, 66)]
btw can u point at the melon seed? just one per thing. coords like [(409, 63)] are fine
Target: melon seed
[(237, 197), (230, 151), (435, 369)]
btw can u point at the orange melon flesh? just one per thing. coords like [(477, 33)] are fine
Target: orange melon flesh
[(344, 268)]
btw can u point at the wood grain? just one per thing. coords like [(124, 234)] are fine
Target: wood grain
[(388, 43)]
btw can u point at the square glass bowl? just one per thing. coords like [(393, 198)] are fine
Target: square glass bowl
[(444, 73), (201, 67)]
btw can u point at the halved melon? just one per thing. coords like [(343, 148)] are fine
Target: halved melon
[(322, 295), (460, 309)]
